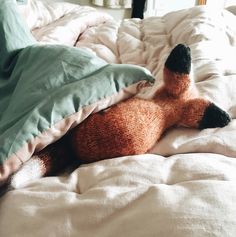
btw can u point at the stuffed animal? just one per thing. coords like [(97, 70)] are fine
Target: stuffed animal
[(132, 126)]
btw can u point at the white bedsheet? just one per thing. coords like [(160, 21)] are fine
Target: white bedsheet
[(187, 186), (147, 195)]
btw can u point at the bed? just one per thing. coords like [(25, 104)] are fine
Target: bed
[(186, 184)]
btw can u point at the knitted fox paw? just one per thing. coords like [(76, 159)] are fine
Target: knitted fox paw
[(214, 117), (179, 59), (177, 69), (200, 113)]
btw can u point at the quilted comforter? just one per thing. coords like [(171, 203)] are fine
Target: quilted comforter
[(186, 184)]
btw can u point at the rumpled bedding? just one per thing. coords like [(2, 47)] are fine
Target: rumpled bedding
[(186, 185)]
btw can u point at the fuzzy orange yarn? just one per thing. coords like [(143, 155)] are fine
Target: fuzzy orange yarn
[(135, 125), (128, 128)]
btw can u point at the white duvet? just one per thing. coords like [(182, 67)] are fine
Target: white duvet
[(186, 185)]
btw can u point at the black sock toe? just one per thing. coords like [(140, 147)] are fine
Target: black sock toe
[(214, 117), (179, 59)]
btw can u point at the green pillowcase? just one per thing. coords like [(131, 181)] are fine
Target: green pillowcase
[(45, 90)]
